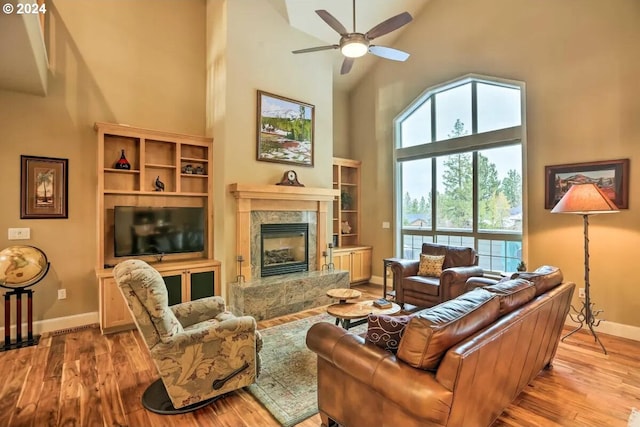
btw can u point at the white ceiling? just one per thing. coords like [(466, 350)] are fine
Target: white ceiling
[(302, 16)]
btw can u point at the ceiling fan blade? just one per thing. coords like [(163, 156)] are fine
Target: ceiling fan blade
[(389, 25), (316, 49), (346, 65), (332, 21), (388, 53)]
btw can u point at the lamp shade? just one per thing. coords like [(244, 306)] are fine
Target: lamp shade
[(585, 199)]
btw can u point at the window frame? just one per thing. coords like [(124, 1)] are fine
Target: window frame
[(471, 143)]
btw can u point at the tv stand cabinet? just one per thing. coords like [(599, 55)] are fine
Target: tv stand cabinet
[(183, 164), (185, 280)]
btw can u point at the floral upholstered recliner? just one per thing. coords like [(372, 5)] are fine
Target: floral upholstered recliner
[(201, 350)]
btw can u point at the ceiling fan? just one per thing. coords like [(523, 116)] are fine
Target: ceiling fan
[(354, 45)]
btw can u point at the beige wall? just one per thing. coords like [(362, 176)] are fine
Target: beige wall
[(341, 138), (578, 60), (249, 48), (110, 61)]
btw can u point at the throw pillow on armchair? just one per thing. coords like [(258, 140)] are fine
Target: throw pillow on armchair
[(430, 265)]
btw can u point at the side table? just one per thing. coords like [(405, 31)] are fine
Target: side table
[(386, 262)]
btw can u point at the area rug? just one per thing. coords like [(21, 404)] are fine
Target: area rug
[(288, 381)]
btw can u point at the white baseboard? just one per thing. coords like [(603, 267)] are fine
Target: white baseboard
[(57, 324), (613, 328)]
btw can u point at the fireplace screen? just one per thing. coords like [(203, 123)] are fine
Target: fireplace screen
[(285, 248)]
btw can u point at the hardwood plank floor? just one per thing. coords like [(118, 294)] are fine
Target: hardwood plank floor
[(83, 378)]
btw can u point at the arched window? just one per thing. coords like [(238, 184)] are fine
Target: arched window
[(459, 169)]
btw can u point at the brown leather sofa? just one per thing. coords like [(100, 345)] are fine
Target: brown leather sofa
[(460, 264), (458, 364)]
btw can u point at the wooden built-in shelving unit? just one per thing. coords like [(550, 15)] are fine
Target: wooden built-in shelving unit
[(153, 154), (349, 253)]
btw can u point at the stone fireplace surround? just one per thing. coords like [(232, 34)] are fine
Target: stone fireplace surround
[(273, 296)]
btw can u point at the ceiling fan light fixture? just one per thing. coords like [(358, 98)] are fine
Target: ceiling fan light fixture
[(354, 45), (354, 49)]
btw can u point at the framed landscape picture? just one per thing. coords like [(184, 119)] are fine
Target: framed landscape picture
[(611, 176), (285, 130), (43, 187)]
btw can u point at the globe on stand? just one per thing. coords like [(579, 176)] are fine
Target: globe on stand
[(21, 266)]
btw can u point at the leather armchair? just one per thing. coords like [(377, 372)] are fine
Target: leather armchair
[(200, 350), (460, 264)]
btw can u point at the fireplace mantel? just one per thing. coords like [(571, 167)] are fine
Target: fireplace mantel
[(253, 197), (282, 192)]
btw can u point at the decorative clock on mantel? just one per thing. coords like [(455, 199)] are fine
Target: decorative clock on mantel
[(290, 177)]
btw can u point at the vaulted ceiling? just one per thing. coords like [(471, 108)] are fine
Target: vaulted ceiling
[(24, 59), (23, 63), (301, 15)]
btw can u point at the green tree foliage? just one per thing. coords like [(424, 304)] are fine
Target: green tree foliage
[(512, 187), (414, 206), (455, 204)]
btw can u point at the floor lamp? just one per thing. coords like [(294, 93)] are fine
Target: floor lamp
[(585, 200)]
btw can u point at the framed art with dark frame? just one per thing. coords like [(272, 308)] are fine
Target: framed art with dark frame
[(285, 130), (43, 187), (611, 176)]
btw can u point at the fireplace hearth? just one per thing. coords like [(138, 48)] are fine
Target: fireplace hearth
[(284, 248)]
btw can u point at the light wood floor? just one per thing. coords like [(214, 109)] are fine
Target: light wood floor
[(83, 378)]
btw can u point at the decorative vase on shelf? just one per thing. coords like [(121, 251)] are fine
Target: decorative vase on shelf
[(123, 163)]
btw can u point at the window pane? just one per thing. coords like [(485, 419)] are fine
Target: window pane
[(453, 112), (500, 255), (500, 189), (498, 107), (513, 255), (416, 128), (416, 194), (454, 186), (464, 241), (412, 245)]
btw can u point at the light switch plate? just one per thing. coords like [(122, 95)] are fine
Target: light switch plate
[(19, 233), (386, 224)]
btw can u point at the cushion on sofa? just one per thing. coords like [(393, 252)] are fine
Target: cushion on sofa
[(422, 284), (430, 265), (431, 332), (543, 278), (512, 293), (454, 255), (385, 331)]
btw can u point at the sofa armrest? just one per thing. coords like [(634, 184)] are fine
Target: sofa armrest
[(401, 269), (478, 282), (404, 268), (415, 390), (192, 312), (242, 325), (454, 279)]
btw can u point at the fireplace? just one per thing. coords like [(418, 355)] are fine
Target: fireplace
[(284, 248)]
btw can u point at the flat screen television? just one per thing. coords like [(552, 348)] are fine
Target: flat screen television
[(157, 230)]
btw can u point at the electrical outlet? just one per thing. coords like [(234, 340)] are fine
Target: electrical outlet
[(581, 293), (62, 294), (386, 224), (19, 233)]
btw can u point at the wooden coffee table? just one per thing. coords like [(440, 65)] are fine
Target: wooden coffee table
[(343, 294), (345, 313)]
